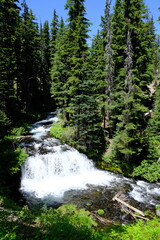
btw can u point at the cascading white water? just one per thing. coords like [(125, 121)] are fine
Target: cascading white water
[(54, 168), (60, 171)]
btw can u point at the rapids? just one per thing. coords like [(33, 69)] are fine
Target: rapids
[(55, 173)]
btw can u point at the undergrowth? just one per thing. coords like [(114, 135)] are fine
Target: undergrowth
[(69, 223), (64, 133)]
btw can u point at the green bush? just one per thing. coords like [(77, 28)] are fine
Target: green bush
[(140, 230), (148, 171), (8, 233), (65, 134), (11, 159), (18, 131), (67, 223)]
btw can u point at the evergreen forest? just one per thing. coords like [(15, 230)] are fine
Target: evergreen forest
[(108, 92)]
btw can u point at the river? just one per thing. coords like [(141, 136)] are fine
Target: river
[(55, 173)]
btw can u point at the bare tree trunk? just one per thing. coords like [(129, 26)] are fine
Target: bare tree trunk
[(109, 65)]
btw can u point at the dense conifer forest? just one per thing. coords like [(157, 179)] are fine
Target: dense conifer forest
[(108, 90)]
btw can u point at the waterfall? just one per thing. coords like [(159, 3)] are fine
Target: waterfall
[(53, 169)]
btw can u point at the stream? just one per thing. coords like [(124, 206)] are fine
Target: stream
[(55, 173)]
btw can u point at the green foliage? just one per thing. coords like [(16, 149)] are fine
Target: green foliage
[(153, 130), (77, 217), (45, 64), (87, 121), (9, 27), (11, 159), (54, 30), (9, 233), (148, 170), (67, 222), (133, 71), (20, 131), (100, 211), (29, 62), (7, 203), (4, 123), (140, 230), (70, 59), (109, 164), (64, 133), (59, 66)]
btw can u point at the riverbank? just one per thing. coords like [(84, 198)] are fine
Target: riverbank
[(69, 223)]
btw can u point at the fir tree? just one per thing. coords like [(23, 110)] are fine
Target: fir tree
[(109, 67), (54, 30), (30, 55), (118, 44), (44, 73), (129, 145), (149, 168), (97, 63), (133, 15), (77, 49), (157, 55), (87, 121), (153, 129), (9, 28), (59, 67)]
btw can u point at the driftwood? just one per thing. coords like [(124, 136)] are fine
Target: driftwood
[(135, 215), (21, 137), (131, 208), (104, 221)]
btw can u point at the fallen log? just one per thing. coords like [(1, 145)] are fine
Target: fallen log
[(21, 137), (104, 221), (116, 198), (128, 211)]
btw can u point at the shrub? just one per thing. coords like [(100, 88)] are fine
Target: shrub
[(67, 223), (65, 134), (148, 171), (140, 230)]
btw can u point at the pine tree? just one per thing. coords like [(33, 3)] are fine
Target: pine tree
[(109, 67), (130, 140), (149, 168), (117, 43), (45, 64), (87, 121), (97, 66), (136, 14), (118, 24), (153, 129), (77, 48), (129, 145), (30, 55), (9, 27), (157, 55), (54, 30), (59, 73), (133, 15)]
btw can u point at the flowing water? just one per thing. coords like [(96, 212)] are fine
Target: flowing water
[(55, 173)]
